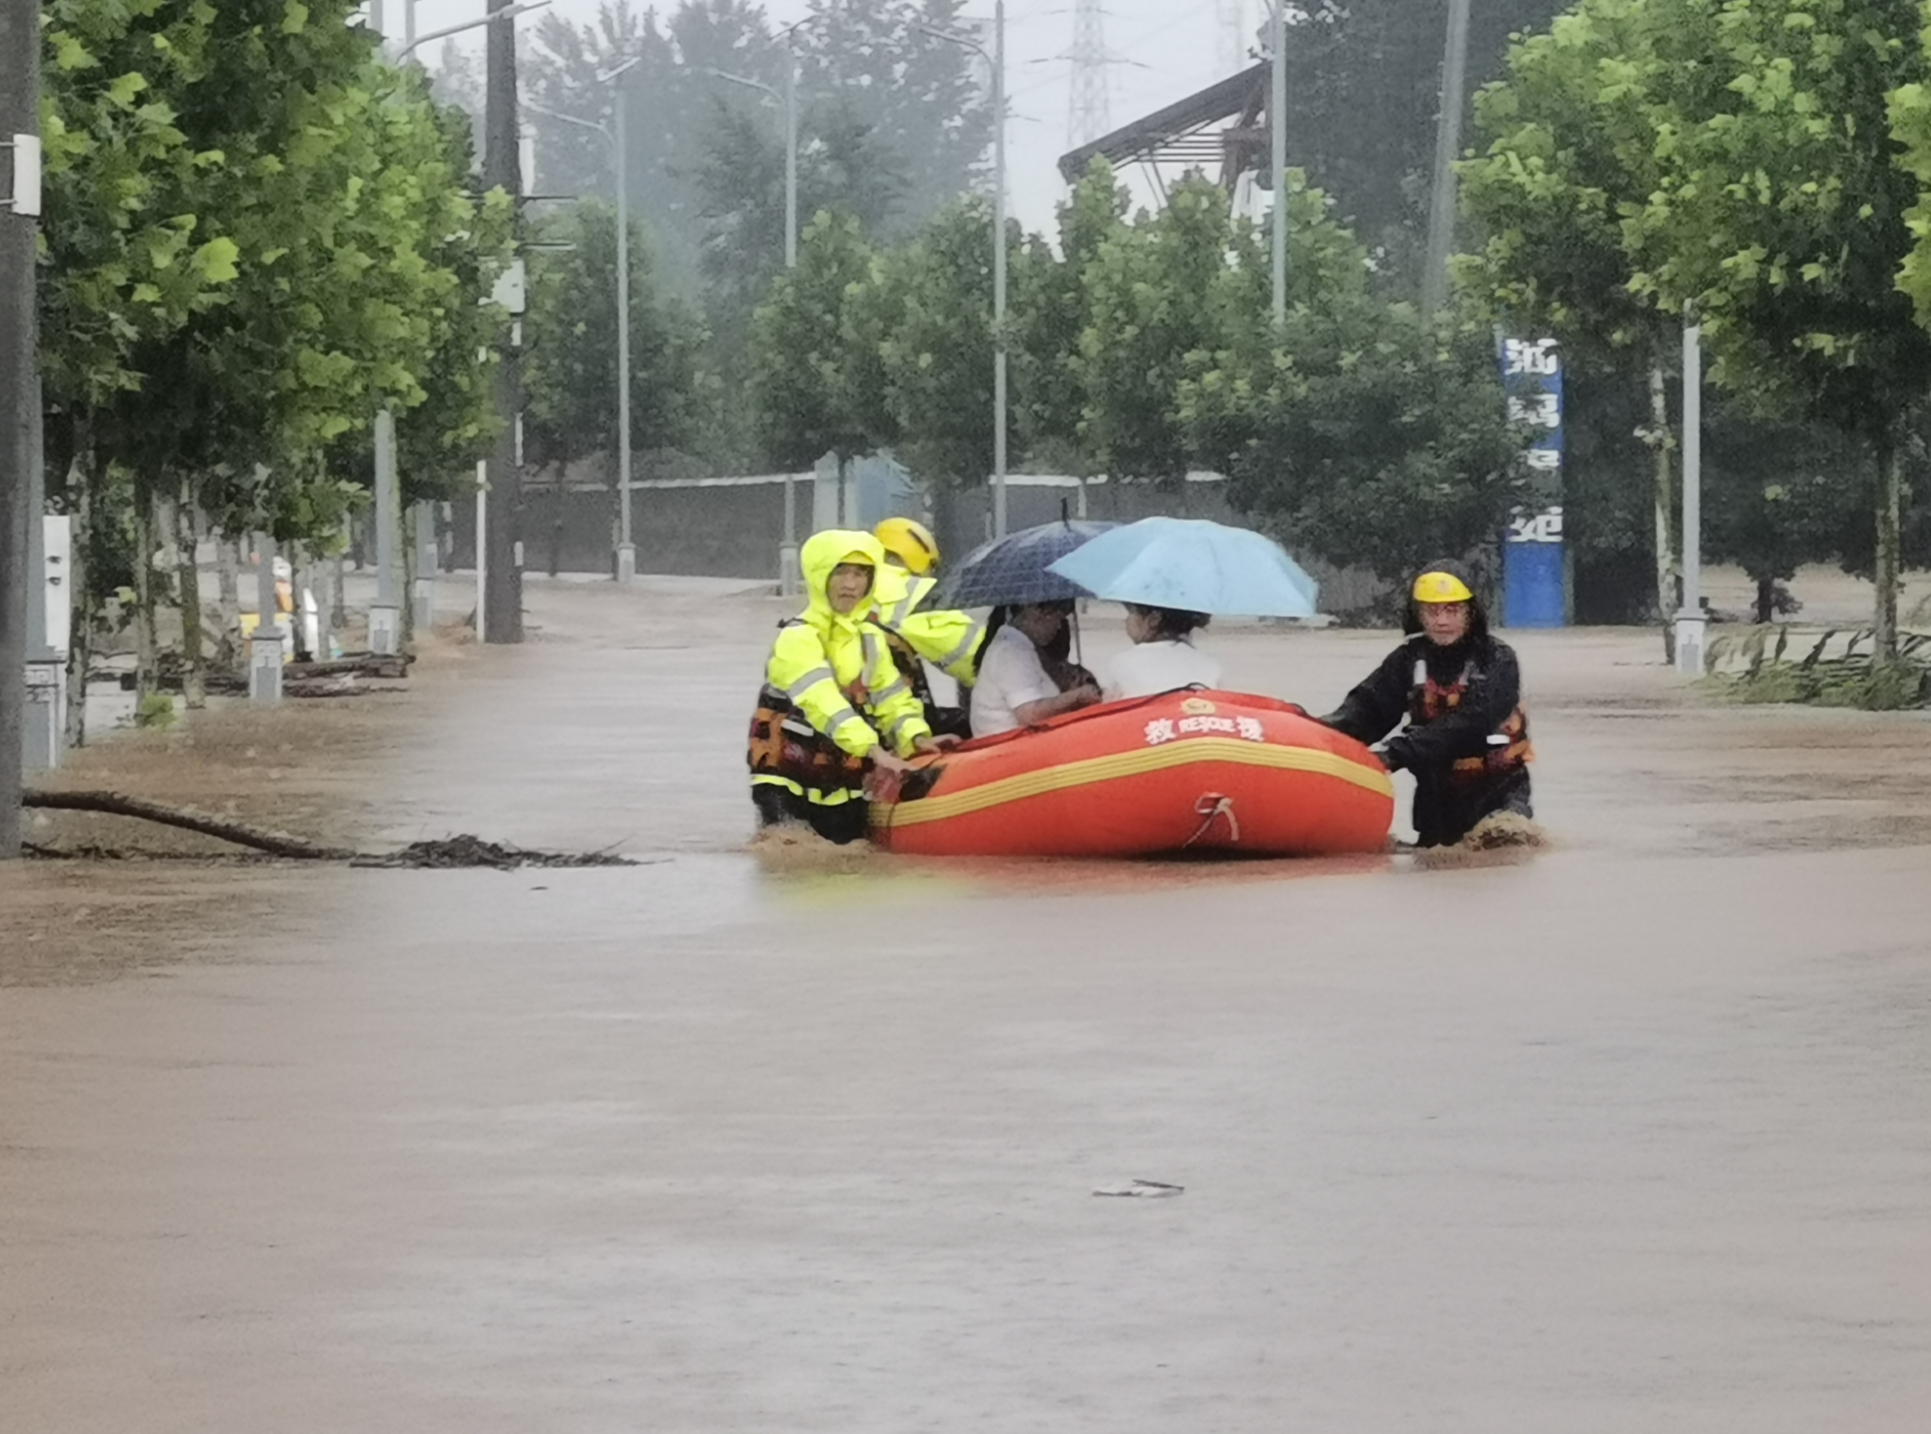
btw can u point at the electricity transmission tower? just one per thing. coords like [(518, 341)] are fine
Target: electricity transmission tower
[(1088, 111)]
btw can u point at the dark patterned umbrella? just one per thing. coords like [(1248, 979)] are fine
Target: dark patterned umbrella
[(1012, 569)]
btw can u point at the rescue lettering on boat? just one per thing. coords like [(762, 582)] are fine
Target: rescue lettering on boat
[(1202, 724)]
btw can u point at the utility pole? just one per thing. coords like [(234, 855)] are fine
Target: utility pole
[(19, 391), (385, 617), (1690, 622), (502, 168), (1277, 124), (996, 58), (626, 541), (999, 269), (1448, 144)]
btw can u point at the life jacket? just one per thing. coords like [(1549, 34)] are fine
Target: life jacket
[(910, 665), (785, 747), (1508, 745)]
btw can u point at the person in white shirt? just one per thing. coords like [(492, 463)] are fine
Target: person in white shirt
[(1014, 689), (1162, 657)]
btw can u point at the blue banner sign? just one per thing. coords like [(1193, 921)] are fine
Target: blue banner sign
[(1532, 551)]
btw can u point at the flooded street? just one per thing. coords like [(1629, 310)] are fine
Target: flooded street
[(1634, 1136)]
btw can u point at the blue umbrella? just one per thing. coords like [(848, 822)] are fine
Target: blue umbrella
[(1014, 569), (1192, 564)]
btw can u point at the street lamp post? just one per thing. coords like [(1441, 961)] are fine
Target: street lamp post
[(614, 137), (1277, 123), (996, 58), (508, 12), (1448, 142), (788, 577)]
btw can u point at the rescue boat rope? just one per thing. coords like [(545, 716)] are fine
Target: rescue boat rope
[(1212, 806)]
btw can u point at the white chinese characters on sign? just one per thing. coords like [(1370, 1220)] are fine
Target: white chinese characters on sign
[(1538, 357), (1539, 410), (1166, 729), (1543, 527)]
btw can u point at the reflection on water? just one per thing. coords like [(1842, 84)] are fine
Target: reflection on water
[(800, 865)]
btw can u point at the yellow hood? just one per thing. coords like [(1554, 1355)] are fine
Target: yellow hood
[(823, 552)]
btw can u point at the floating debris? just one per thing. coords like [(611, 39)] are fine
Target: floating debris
[(461, 852)]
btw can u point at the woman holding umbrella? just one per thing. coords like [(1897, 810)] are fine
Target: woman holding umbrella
[(1172, 573)]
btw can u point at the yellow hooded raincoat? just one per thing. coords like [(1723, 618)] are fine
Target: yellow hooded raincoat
[(832, 693), (949, 640)]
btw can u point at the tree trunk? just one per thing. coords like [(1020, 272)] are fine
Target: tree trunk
[(1890, 502), (1766, 600), (228, 580), (146, 640), (195, 683), (228, 599), (338, 586), (406, 596), (80, 486), (114, 804), (1668, 564)]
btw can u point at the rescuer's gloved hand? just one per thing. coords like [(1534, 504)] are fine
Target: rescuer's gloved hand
[(1394, 753)]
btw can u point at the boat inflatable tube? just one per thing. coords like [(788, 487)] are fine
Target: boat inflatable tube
[(1191, 770)]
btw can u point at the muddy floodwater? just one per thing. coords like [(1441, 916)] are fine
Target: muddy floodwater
[(1633, 1136)]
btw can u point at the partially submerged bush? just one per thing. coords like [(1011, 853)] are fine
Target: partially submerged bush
[(1852, 677)]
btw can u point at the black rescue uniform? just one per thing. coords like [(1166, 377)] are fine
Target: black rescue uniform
[(1467, 738)]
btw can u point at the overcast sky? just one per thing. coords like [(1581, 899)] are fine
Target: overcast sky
[(1165, 50)]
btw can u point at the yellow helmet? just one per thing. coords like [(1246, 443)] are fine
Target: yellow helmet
[(1441, 587), (910, 542)]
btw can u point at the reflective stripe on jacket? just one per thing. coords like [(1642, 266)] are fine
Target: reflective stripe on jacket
[(832, 694), (948, 639)]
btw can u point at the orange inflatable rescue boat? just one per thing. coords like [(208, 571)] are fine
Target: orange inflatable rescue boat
[(1189, 770)]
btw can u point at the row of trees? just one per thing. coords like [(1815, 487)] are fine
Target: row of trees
[(1762, 165), (1140, 345), (1136, 343), (259, 234)]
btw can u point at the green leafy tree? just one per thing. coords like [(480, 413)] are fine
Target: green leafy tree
[(271, 236), (127, 257), (1357, 431), (571, 370), (929, 306), (1780, 214), (1548, 195), (801, 385), (1050, 306), (1157, 292), (1366, 437)]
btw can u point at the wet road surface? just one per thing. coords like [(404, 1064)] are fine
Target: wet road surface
[(1635, 1136)]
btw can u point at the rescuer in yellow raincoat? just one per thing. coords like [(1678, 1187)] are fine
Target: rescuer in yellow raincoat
[(947, 639), (834, 707)]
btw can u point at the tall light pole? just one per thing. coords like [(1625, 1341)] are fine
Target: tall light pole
[(997, 59), (626, 548), (613, 135), (1277, 123), (19, 392), (1448, 143), (788, 576), (507, 12), (787, 99), (1690, 622)]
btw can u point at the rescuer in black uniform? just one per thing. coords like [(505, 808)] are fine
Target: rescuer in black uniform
[(1467, 736)]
